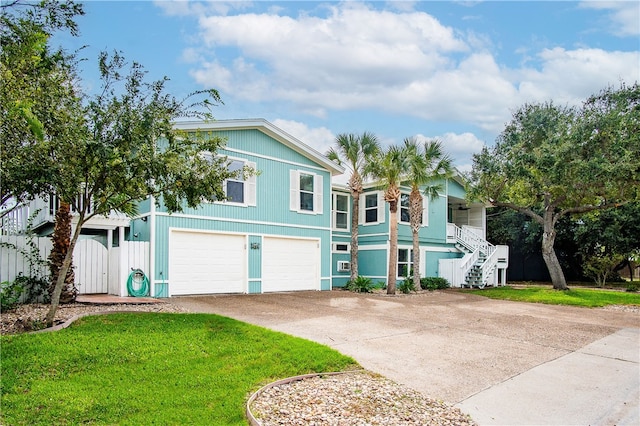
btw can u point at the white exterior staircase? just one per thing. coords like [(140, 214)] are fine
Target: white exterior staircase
[(482, 263)]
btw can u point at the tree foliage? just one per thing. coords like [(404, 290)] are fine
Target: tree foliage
[(426, 164), (389, 168), (37, 97), (552, 162), (129, 150), (355, 151)]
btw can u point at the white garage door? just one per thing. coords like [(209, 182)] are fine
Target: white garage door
[(205, 263), (290, 264)]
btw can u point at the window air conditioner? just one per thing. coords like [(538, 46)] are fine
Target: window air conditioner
[(344, 266)]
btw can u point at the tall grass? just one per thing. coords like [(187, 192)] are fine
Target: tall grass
[(143, 369)]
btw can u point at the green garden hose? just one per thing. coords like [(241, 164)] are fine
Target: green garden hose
[(138, 283)]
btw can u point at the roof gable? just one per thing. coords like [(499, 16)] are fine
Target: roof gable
[(270, 130)]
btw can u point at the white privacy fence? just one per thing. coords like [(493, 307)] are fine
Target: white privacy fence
[(97, 269)]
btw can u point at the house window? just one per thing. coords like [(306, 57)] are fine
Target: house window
[(405, 263), (238, 190), (371, 208), (343, 247), (234, 188), (306, 192), (404, 208), (340, 207)]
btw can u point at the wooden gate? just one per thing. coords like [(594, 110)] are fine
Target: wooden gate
[(91, 264)]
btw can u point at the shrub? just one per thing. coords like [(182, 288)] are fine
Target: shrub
[(406, 286), (36, 290), (434, 283), (360, 285), (632, 287), (9, 295)]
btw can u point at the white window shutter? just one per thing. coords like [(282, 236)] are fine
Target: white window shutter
[(317, 194), (361, 211), (294, 186), (381, 207), (250, 186)]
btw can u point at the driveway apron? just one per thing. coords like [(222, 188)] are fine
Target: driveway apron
[(501, 362)]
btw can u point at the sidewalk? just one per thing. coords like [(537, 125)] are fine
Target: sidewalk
[(596, 385)]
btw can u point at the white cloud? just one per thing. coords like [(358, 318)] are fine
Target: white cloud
[(354, 57), (569, 76), (318, 138), (460, 147), (624, 17)]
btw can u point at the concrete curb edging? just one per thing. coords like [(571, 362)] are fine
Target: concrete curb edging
[(254, 422)]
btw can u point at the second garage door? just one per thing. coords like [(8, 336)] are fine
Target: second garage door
[(205, 263), (290, 264)]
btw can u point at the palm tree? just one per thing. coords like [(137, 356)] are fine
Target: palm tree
[(388, 168), (355, 151), (425, 165), (61, 239)]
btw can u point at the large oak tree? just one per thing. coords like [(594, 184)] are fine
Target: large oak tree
[(553, 161)]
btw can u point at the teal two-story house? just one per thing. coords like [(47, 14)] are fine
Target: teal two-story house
[(272, 234), (452, 238), (285, 228)]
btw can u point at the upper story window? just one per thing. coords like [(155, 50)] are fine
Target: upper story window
[(340, 210), (305, 192), (404, 215), (371, 208), (404, 208), (240, 189)]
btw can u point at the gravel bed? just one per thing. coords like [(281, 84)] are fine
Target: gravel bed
[(351, 399), (30, 317)]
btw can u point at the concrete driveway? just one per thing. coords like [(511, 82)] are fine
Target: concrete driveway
[(501, 362)]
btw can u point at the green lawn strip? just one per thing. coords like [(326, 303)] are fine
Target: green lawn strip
[(140, 368), (576, 297)]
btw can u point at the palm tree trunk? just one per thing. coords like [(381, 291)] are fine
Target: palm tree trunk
[(415, 217), (355, 212), (393, 248), (61, 245)]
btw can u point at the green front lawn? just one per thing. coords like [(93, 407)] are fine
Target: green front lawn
[(140, 368), (577, 297)]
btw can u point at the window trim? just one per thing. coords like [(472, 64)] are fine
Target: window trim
[(335, 211), (381, 206), (409, 262), (249, 192), (294, 191), (425, 211)]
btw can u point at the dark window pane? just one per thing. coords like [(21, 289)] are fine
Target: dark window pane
[(371, 215), (404, 215), (403, 255), (341, 203), (306, 201), (404, 200), (306, 182), (342, 247), (371, 200), (235, 191), (341, 220)]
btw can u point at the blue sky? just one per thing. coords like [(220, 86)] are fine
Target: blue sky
[(448, 70)]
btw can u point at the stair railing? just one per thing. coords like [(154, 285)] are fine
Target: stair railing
[(476, 245)]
